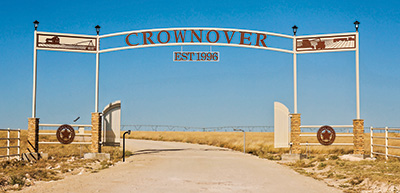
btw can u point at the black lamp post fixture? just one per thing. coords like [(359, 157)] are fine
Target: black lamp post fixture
[(356, 24), (294, 29), (97, 29), (36, 23), (123, 137)]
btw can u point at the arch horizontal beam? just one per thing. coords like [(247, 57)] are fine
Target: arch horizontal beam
[(180, 38), (64, 34), (194, 44), (195, 28), (327, 35)]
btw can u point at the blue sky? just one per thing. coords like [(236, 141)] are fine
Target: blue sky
[(238, 90)]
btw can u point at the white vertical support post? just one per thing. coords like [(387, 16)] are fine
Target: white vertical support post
[(34, 75), (96, 108), (81, 129), (372, 142), (357, 75), (19, 141), (386, 143), (8, 142), (295, 74)]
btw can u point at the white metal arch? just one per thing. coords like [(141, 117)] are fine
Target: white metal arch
[(293, 51)]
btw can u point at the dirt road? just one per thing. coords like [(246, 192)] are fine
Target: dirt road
[(168, 167)]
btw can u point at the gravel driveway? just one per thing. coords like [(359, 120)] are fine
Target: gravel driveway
[(169, 167)]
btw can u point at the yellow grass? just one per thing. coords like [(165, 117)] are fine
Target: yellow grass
[(262, 143), (256, 143)]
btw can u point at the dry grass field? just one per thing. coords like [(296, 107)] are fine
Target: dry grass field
[(262, 143), (257, 143)]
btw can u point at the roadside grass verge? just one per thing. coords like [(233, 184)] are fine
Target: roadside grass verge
[(352, 176)]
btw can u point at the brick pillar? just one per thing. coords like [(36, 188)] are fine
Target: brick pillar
[(295, 123), (33, 134), (96, 133), (358, 139)]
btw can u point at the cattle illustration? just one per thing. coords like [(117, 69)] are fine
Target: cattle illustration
[(53, 40)]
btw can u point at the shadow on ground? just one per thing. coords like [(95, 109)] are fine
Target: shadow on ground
[(152, 151)]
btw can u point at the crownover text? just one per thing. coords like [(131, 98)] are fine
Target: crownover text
[(196, 36)]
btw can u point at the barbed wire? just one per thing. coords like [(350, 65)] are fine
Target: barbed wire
[(199, 129)]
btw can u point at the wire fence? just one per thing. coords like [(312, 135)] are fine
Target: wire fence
[(310, 132), (47, 134), (196, 129), (9, 141), (383, 139)]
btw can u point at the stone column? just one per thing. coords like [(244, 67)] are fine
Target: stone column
[(96, 133), (295, 123), (33, 134), (358, 139)]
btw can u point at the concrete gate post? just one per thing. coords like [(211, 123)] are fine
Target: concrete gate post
[(358, 139), (96, 133), (295, 123), (33, 133)]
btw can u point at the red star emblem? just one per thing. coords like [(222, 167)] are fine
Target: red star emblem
[(326, 135), (65, 134)]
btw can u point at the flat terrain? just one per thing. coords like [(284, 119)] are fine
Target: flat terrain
[(182, 167)]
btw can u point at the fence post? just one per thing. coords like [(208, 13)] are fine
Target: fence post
[(33, 133), (295, 130), (372, 142), (386, 143), (8, 143), (19, 141), (358, 139), (96, 133)]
